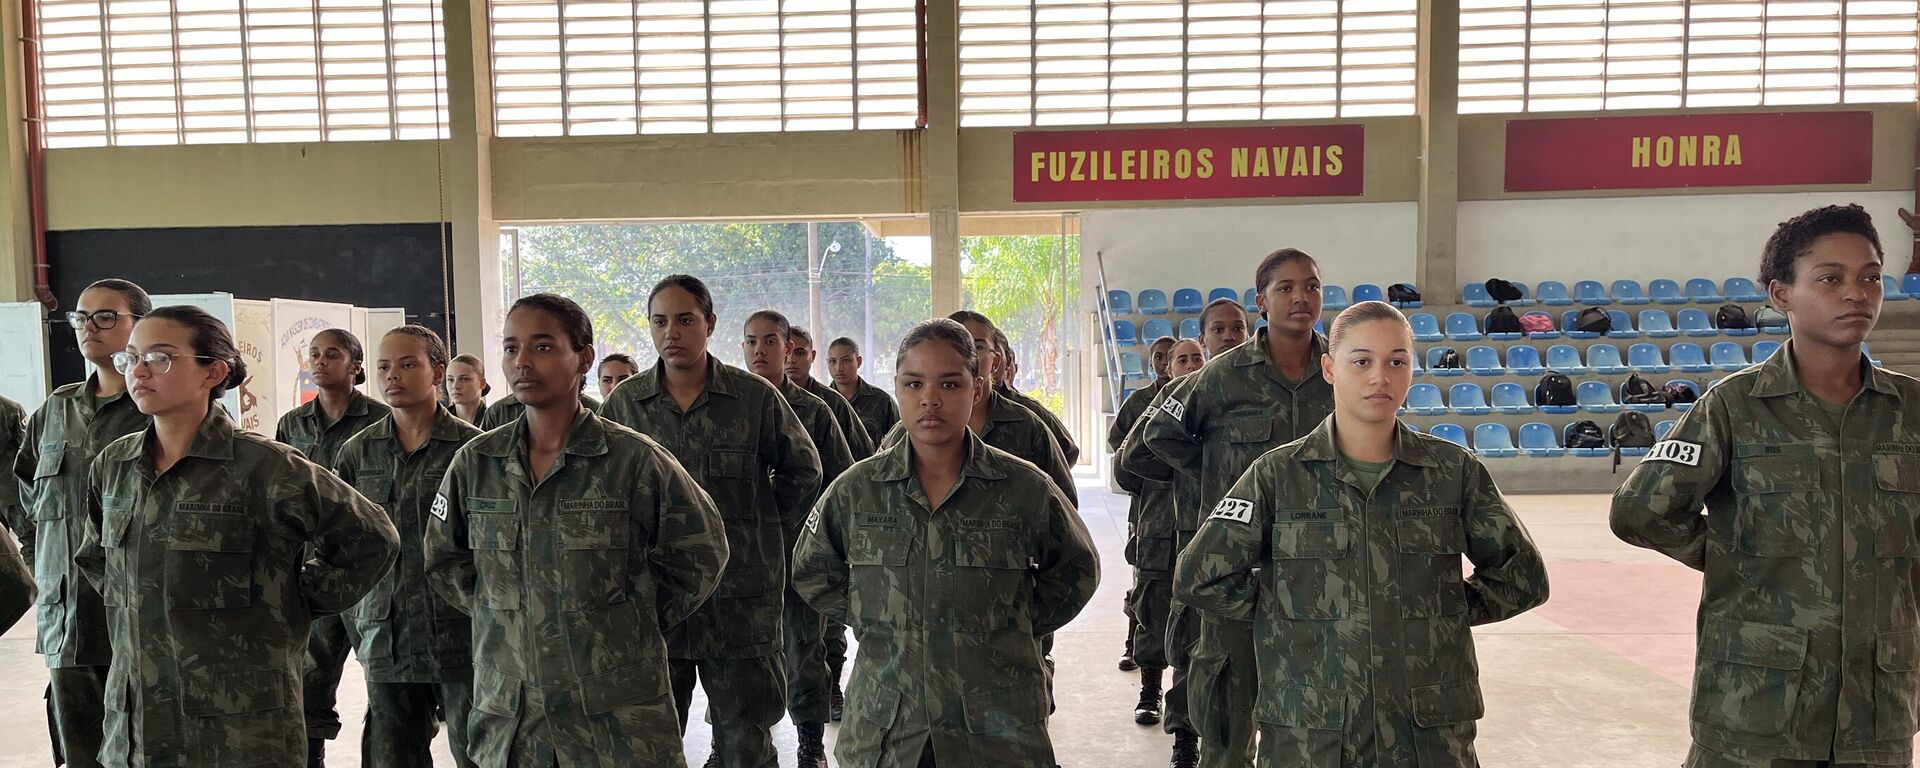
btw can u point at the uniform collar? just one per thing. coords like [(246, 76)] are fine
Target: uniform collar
[(588, 437), (446, 426), (1253, 351), (214, 439), (356, 406), (654, 382), (1408, 448), (1002, 409), (896, 463), (1778, 376)]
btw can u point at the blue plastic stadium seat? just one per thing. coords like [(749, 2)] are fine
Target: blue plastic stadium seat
[(1426, 327), (1368, 292), (1729, 356), (1645, 358), (1665, 292), (1411, 304), (1259, 323), (1910, 284), (1493, 441), (1451, 433), (1553, 334), (1524, 360), (1127, 393), (1463, 327), (1565, 359), (1414, 428), (1153, 301), (1712, 384), (1763, 350), (1691, 384), (1537, 440), (1595, 397), (1526, 295), (1190, 328), (1695, 322), (1468, 399), (1433, 356), (1131, 366), (1890, 289), (1689, 358), (1628, 292), (1222, 293), (1661, 429), (1642, 407), (1251, 299), (1700, 290), (1605, 358), (1657, 324), (1592, 293), (1475, 295), (1741, 290), (1511, 398), (1553, 293), (1424, 400), (1187, 301), (1320, 327), (1508, 336), (1869, 353), (1622, 325), (1484, 361), (1124, 334), (1568, 430), (1119, 303), (1156, 328), (1568, 320), (1332, 297)]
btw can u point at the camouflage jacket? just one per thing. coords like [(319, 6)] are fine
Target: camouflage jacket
[(506, 410), (1153, 512), (306, 428), (877, 410), (859, 441), (1359, 612), (744, 446), (947, 602), (403, 632), (1809, 643), (13, 430), (70, 428), (571, 581), (1014, 429), (824, 430), (209, 594), (1055, 426), (16, 584)]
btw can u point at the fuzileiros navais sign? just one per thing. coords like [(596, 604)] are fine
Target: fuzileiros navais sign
[(1188, 163)]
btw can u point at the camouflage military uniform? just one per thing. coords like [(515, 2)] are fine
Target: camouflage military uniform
[(1809, 640), (1210, 425), (809, 678), (16, 584), (16, 581), (876, 409), (507, 409), (859, 441), (209, 592), (947, 602), (1055, 426), (1359, 610), (415, 646), (1014, 429), (306, 429), (71, 427), (743, 445), (1151, 525), (571, 580)]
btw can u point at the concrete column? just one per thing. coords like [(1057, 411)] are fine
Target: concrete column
[(467, 183), (1436, 263), (16, 223), (940, 153)]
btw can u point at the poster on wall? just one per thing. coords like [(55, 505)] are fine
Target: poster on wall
[(220, 305), (23, 344), (1680, 151), (253, 334), (359, 331), (1189, 163), (379, 321), (294, 325)]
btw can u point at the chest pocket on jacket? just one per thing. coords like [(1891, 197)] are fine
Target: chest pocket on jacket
[(988, 579), (877, 560), (115, 518), (1896, 477), (495, 541), (1777, 487), (45, 487), (210, 556), (1431, 576), (597, 546), (1307, 548)]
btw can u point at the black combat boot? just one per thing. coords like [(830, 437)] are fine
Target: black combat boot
[(1147, 712), (813, 748), (1186, 750), (316, 753), (837, 706), (1127, 664)]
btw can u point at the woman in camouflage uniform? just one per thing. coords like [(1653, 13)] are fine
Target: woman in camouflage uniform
[(467, 389)]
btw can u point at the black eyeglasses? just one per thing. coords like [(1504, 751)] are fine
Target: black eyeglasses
[(160, 362), (102, 319)]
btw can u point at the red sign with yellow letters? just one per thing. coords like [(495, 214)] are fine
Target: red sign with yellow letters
[(1188, 163), (1670, 151)]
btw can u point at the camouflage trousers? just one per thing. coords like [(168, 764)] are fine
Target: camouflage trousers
[(1222, 684), (327, 647), (1701, 757), (1152, 608), (402, 719), (836, 647), (76, 709), (745, 698), (809, 679)]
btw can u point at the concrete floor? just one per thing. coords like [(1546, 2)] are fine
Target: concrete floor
[(1595, 678)]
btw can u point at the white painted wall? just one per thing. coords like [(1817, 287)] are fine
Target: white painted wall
[(1644, 238), (1206, 248)]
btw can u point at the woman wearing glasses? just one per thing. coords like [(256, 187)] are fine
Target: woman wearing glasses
[(197, 539), (71, 428)]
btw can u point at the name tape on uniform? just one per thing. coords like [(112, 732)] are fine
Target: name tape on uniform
[(1174, 408), (1676, 451), (1237, 510), (439, 507)]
